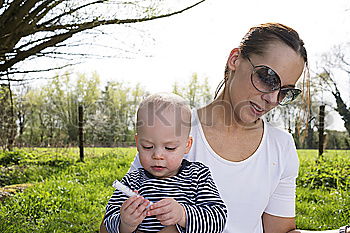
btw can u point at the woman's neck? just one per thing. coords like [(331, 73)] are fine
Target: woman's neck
[(220, 114)]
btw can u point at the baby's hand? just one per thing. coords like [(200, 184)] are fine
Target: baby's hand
[(132, 213), (168, 212)]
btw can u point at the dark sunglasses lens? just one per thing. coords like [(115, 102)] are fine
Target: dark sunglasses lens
[(286, 96), (265, 79)]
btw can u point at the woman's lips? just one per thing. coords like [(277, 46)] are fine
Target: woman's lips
[(257, 110)]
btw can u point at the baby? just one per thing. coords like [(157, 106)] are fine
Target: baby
[(182, 193)]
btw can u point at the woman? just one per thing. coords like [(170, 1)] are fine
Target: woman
[(253, 164)]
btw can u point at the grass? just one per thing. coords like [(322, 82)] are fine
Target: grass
[(323, 190), (69, 199), (63, 195), (322, 209)]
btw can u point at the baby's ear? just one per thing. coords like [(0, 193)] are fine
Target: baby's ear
[(136, 141), (188, 144)]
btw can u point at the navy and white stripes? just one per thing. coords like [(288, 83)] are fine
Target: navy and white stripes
[(193, 187)]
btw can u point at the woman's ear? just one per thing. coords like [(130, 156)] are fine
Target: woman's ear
[(231, 61)]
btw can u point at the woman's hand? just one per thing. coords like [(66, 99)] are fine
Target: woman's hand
[(132, 213), (168, 212)]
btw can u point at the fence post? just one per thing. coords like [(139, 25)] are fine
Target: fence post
[(81, 133), (321, 130)]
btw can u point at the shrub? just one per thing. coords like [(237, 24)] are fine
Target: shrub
[(328, 171)]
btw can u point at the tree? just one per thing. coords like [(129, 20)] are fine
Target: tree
[(30, 29), (22, 110), (38, 123), (333, 61), (115, 124), (342, 108), (51, 110), (7, 117), (48, 115), (112, 123), (66, 94), (301, 117), (197, 93)]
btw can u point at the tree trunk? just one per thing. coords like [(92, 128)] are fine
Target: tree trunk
[(12, 126), (342, 109)]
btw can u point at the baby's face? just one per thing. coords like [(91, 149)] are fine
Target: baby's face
[(162, 143)]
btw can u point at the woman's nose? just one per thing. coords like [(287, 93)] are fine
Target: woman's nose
[(271, 98)]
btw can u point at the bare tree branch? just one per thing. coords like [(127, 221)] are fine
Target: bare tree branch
[(36, 71), (71, 11), (30, 27), (22, 55), (341, 107)]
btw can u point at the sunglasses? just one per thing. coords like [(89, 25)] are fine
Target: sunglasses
[(266, 80)]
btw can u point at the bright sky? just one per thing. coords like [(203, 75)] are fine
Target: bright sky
[(200, 39)]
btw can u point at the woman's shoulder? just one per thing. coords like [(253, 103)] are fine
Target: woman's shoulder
[(276, 131), (276, 135)]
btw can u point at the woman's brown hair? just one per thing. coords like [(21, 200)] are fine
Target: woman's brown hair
[(259, 37)]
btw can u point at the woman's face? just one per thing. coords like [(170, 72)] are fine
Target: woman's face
[(248, 103)]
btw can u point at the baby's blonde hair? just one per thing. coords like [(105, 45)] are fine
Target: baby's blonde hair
[(163, 101)]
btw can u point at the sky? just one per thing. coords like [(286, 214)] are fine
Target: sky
[(200, 40)]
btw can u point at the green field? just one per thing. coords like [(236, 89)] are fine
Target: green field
[(64, 195)]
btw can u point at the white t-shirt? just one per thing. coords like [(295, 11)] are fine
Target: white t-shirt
[(264, 182)]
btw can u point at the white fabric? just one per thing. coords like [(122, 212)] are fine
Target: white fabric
[(264, 182)]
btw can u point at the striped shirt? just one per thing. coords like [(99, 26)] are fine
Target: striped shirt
[(193, 187)]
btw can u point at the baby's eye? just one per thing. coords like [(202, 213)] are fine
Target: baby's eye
[(147, 147), (170, 148)]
